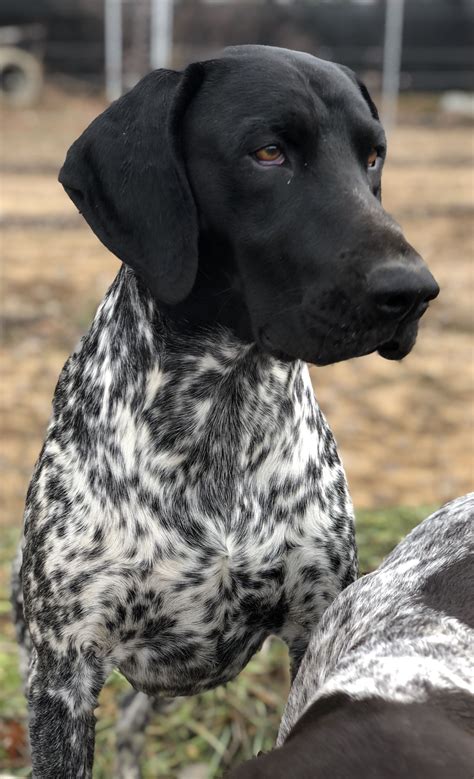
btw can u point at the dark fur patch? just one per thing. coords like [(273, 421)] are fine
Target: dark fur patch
[(451, 590)]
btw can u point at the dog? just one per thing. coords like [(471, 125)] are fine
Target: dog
[(189, 499), (386, 688)]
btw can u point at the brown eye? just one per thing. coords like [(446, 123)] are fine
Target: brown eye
[(270, 154), (372, 158)]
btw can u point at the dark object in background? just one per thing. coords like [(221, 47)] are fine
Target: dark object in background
[(21, 77), (21, 71), (437, 46), (73, 34), (437, 43)]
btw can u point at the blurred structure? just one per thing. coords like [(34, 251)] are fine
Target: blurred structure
[(436, 53), (392, 60), (21, 72)]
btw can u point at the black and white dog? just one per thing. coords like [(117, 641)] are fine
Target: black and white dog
[(189, 499), (386, 688)]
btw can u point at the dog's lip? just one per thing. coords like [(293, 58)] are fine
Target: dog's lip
[(397, 347), (416, 314), (265, 343), (401, 343), (394, 344), (324, 355), (391, 350)]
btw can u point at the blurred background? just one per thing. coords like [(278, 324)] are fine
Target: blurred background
[(405, 430)]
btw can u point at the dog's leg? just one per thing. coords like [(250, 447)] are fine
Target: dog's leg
[(21, 629), (136, 711), (297, 649), (63, 692)]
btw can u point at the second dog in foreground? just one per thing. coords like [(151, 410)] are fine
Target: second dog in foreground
[(386, 688)]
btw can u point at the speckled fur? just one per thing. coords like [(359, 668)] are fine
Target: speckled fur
[(404, 633), (188, 502)]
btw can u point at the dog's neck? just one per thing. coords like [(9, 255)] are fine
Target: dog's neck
[(187, 349), (187, 378), (194, 404), (217, 297)]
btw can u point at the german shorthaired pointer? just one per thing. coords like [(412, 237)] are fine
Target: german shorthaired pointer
[(386, 688), (189, 499)]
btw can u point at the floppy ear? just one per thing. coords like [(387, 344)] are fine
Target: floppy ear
[(367, 98), (372, 107), (126, 175), (363, 90)]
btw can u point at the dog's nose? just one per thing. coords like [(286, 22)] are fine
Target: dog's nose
[(397, 290)]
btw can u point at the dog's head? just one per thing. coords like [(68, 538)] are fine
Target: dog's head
[(246, 192)]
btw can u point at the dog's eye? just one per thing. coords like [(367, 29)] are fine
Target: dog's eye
[(372, 158), (270, 155)]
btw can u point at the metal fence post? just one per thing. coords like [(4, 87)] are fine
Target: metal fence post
[(113, 48), (392, 57), (161, 33)]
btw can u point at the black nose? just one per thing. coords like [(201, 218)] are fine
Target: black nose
[(398, 291)]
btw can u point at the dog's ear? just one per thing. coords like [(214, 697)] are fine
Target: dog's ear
[(126, 175), (366, 95), (363, 90), (372, 107)]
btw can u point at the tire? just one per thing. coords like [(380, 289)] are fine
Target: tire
[(21, 77)]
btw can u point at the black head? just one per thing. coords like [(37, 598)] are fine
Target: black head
[(341, 738), (246, 192)]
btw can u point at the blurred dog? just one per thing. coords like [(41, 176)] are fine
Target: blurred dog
[(189, 499), (386, 688)]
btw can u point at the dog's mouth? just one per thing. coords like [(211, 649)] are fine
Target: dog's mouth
[(401, 343), (392, 350), (392, 345)]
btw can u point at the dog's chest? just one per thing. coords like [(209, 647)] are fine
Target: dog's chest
[(206, 508), (231, 553)]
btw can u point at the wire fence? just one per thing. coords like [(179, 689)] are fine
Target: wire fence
[(421, 44)]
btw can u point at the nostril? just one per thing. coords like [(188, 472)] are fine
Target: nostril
[(398, 292), (394, 303)]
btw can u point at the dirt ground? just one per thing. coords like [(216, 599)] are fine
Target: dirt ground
[(405, 429)]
